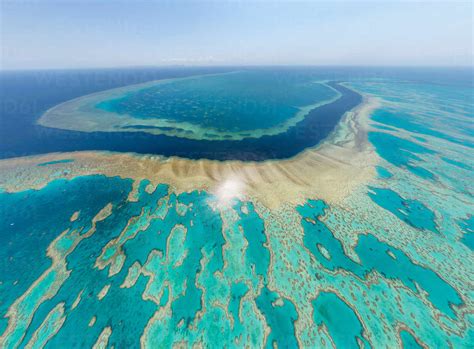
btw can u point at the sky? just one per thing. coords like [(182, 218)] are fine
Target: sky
[(37, 34)]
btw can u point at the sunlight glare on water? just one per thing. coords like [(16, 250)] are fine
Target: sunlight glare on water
[(228, 191)]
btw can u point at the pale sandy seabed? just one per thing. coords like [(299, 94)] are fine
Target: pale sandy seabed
[(330, 171), (336, 171)]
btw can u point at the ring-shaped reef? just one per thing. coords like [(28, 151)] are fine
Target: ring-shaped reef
[(245, 115)]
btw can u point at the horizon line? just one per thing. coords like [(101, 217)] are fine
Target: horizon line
[(2, 69)]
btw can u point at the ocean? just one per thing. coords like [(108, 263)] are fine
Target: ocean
[(98, 253)]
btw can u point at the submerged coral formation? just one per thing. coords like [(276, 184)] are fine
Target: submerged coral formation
[(106, 260)]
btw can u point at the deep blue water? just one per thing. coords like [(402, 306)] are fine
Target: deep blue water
[(27, 95), (240, 272)]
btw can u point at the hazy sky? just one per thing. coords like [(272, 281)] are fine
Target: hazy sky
[(69, 34)]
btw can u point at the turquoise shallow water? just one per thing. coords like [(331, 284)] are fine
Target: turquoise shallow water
[(341, 321), (233, 102), (390, 266)]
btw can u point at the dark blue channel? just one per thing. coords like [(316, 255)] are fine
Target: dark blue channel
[(26, 95), (26, 138)]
